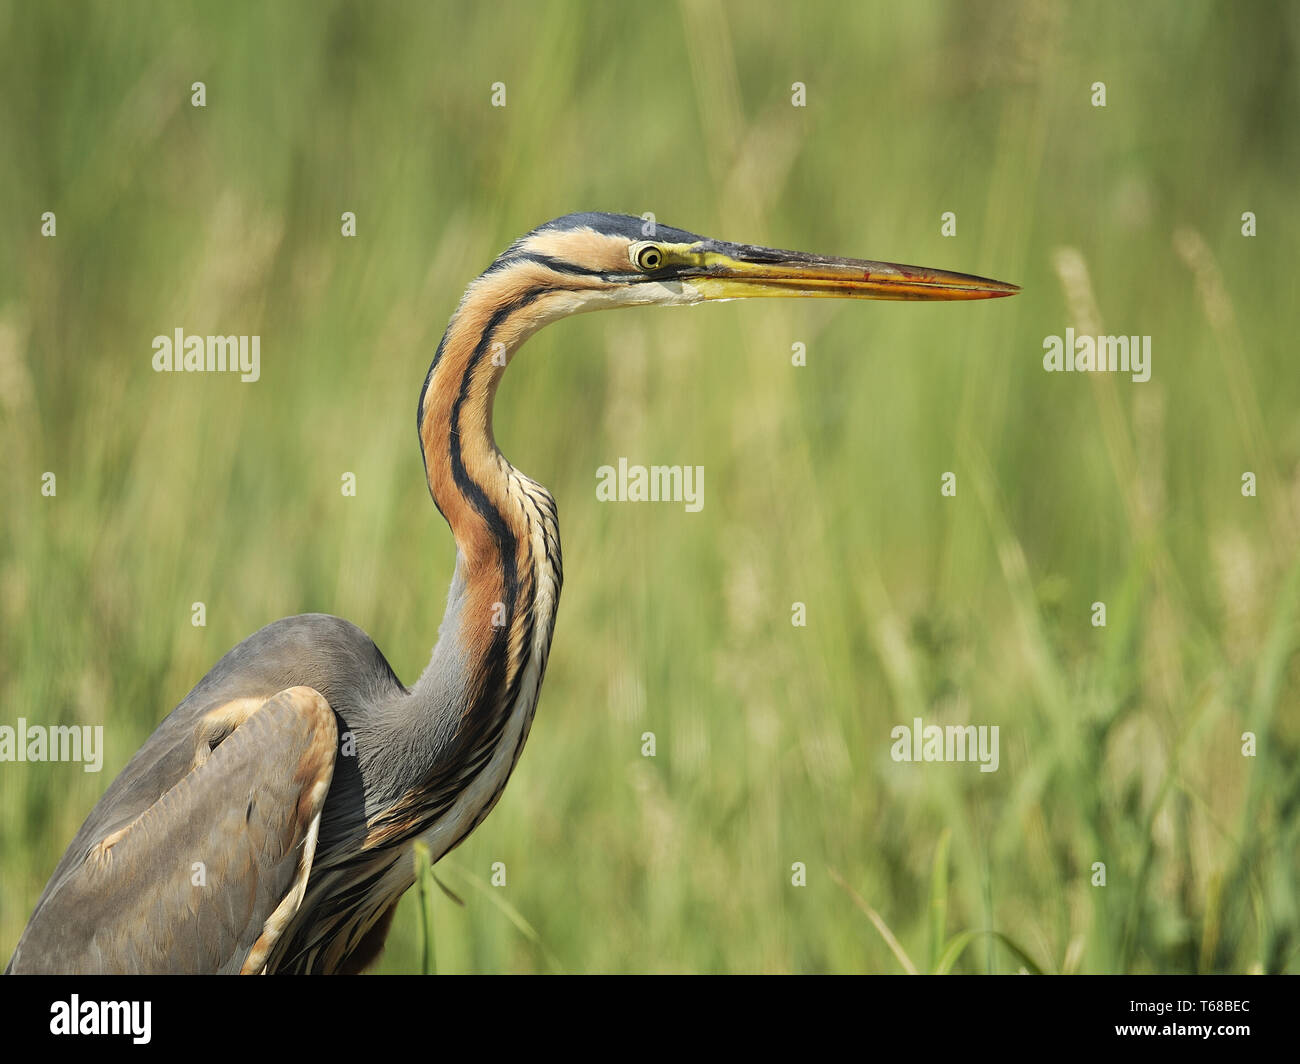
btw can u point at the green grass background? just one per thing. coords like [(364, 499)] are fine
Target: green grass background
[(1119, 744)]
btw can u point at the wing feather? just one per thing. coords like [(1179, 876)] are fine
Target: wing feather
[(207, 877)]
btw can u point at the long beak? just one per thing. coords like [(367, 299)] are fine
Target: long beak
[(739, 271)]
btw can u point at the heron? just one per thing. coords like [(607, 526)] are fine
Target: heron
[(267, 825)]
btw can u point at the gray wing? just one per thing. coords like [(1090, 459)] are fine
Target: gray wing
[(209, 874)]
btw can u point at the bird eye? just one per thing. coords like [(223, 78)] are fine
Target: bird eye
[(649, 257)]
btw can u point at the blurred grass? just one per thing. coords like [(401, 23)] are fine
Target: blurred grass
[(1119, 745)]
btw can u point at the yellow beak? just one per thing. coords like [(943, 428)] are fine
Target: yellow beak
[(742, 272)]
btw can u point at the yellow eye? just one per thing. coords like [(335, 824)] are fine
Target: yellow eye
[(649, 257)]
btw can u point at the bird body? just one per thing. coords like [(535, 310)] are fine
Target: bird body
[(266, 825)]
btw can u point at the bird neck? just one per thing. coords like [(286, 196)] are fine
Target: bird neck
[(495, 637), (470, 480), (472, 484)]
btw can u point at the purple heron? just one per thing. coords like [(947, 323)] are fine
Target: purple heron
[(299, 772)]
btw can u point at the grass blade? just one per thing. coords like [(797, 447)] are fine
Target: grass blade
[(509, 911), (958, 943), (879, 923), (424, 882), (939, 897)]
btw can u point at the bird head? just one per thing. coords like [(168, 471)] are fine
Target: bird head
[(617, 260)]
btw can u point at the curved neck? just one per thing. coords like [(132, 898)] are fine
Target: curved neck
[(481, 686), (473, 485), (470, 480), (505, 525)]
